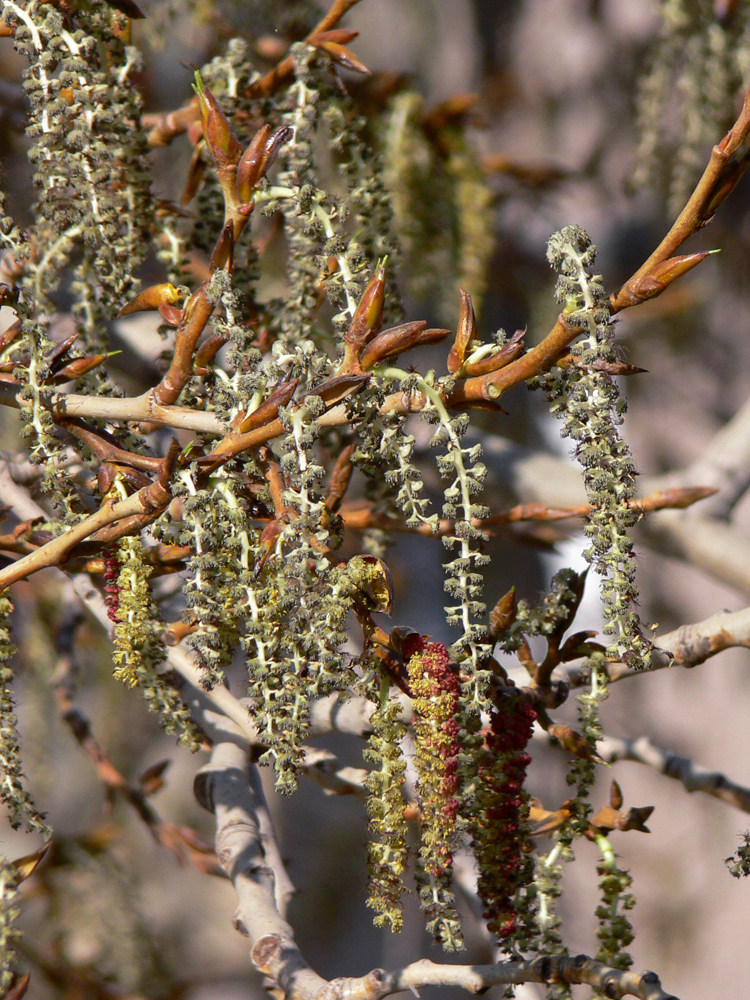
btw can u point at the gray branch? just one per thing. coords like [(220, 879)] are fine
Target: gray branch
[(694, 777)]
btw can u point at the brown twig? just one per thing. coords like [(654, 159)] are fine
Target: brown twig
[(181, 841), (151, 501)]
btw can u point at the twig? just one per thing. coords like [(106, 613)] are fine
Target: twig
[(150, 500), (724, 170)]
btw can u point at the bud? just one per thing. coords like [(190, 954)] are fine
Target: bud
[(466, 332), (220, 138), (223, 253), (366, 320), (498, 359), (663, 274), (398, 339), (574, 743), (330, 42), (258, 158), (80, 366), (207, 352), (503, 615), (268, 409), (152, 298)]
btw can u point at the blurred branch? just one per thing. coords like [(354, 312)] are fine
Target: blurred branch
[(710, 544), (182, 841), (693, 777), (723, 464)]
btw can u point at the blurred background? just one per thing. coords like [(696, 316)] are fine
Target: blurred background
[(590, 112)]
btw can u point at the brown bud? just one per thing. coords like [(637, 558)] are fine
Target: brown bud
[(20, 983), (503, 615), (663, 274), (268, 539), (172, 315), (220, 138), (8, 336), (80, 366), (196, 170), (27, 865), (340, 479), (574, 743), (367, 317), (223, 252), (466, 332), (258, 158), (338, 53), (615, 795), (268, 409), (577, 645), (207, 352), (398, 339), (152, 298), (340, 35), (499, 359), (151, 780)]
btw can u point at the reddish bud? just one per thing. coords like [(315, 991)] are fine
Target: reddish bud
[(196, 170), (220, 138), (503, 615), (466, 332), (257, 159), (268, 409), (398, 339), (366, 320), (337, 52), (498, 359), (80, 366), (223, 252), (663, 274), (172, 315), (208, 351)]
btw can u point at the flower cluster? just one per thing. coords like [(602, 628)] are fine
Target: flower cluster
[(435, 691), (500, 813), (386, 851), (586, 397), (139, 647)]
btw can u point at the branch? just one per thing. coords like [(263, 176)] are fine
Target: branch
[(224, 787), (545, 969), (693, 777), (165, 126), (687, 646)]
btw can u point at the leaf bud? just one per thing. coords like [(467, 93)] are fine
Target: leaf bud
[(152, 298), (398, 339), (465, 333), (223, 144)]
